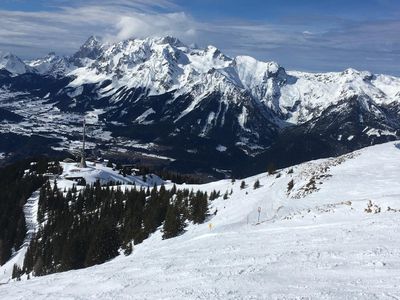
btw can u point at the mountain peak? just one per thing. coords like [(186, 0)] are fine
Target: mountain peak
[(90, 49), (365, 75), (12, 63), (92, 41), (173, 41)]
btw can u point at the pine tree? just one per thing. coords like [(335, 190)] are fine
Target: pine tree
[(5, 251), (271, 168), (173, 190), (128, 249), (290, 185), (173, 224), (38, 267), (257, 184), (199, 207), (242, 185), (81, 182), (29, 257), (16, 272), (103, 246)]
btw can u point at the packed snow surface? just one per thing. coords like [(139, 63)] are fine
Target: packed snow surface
[(327, 229)]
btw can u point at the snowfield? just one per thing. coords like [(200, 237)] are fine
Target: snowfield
[(333, 235), (99, 172)]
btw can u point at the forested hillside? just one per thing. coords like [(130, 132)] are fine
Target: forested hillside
[(81, 228), (17, 183)]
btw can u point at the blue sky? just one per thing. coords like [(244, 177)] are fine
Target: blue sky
[(309, 35)]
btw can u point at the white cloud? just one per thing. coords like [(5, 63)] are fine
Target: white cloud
[(296, 45), (147, 25), (34, 33)]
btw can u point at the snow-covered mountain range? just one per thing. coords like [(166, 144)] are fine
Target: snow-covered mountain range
[(178, 95), (162, 65)]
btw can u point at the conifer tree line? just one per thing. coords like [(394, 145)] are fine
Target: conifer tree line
[(170, 175), (144, 171), (17, 183), (81, 228)]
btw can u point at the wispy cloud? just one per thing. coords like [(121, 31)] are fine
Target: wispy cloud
[(31, 33), (146, 25), (316, 43)]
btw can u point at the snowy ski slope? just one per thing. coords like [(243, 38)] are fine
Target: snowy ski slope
[(334, 235)]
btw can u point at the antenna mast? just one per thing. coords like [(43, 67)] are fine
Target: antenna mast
[(83, 160)]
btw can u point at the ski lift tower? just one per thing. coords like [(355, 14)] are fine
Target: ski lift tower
[(83, 159)]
